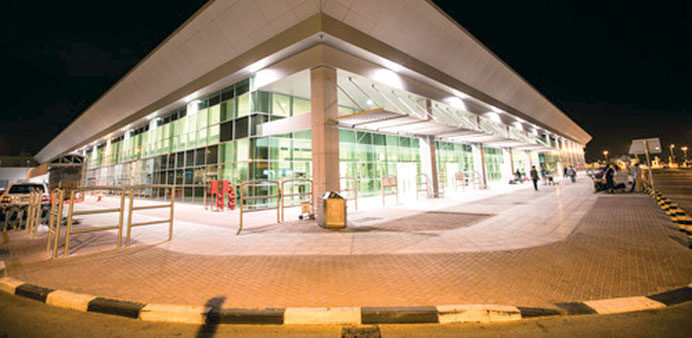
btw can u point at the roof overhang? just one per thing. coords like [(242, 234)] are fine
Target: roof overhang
[(210, 51)]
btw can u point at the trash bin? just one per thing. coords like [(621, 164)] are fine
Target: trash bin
[(331, 211)]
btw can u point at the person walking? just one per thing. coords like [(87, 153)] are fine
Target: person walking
[(565, 172), (635, 176), (534, 177), (572, 173)]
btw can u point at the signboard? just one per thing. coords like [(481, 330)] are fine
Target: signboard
[(639, 146), (389, 181)]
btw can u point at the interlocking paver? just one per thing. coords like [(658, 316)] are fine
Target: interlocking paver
[(559, 245)]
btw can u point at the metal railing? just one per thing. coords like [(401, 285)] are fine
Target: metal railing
[(354, 190), (299, 182), (72, 213), (422, 185), (55, 217), (253, 197), (33, 211), (459, 181), (390, 181), (133, 208)]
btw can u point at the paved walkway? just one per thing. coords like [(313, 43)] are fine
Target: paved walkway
[(676, 184), (510, 245)]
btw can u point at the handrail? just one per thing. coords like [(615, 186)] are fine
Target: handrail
[(71, 213), (33, 211), (55, 216), (354, 190), (259, 183), (299, 194), (132, 208), (390, 181), (420, 184)]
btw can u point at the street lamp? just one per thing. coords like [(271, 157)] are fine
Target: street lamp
[(605, 154), (672, 155), (684, 151)]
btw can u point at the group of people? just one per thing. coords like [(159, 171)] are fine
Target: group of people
[(570, 172), (608, 175)]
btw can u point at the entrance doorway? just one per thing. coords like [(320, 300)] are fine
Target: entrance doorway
[(406, 177)]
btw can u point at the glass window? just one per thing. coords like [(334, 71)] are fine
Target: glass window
[(243, 106), (199, 156), (260, 102), (199, 176), (214, 114), (242, 150), (242, 87), (214, 99), (227, 152), (347, 136), (212, 155), (188, 176), (179, 177), (228, 93), (260, 148), (189, 158), (214, 134), (364, 138), (241, 128), (281, 105), (180, 160), (226, 131), (300, 106), (256, 120), (379, 139), (228, 110)]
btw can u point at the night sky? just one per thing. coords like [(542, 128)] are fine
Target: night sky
[(621, 70)]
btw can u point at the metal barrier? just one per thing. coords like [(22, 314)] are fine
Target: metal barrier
[(71, 213), (299, 194), (132, 208), (33, 211), (55, 217), (390, 181), (459, 177), (354, 190), (254, 184), (422, 185), (15, 213)]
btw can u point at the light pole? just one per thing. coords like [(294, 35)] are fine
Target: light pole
[(605, 155), (672, 155), (684, 152)]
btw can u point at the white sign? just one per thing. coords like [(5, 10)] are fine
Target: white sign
[(638, 147)]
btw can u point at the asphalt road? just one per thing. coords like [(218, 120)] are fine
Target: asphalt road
[(21, 317), (676, 184)]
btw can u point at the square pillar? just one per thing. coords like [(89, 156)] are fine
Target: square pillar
[(325, 133), (428, 158)]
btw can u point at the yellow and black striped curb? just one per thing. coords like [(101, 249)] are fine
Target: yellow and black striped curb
[(442, 314), (676, 214)]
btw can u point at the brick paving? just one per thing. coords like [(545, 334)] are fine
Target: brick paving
[(600, 246)]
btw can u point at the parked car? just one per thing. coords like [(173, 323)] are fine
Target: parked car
[(15, 199)]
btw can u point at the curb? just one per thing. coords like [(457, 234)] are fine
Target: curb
[(676, 214), (440, 314)]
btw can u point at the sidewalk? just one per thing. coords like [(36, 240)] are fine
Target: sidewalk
[(510, 245)]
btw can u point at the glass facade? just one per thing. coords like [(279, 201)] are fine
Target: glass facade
[(493, 163), (218, 136)]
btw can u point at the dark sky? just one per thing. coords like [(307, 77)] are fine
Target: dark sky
[(621, 70)]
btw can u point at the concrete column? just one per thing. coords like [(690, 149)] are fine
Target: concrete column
[(428, 158), (325, 134), (479, 162)]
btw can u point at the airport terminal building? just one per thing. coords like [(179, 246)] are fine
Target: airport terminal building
[(319, 89)]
